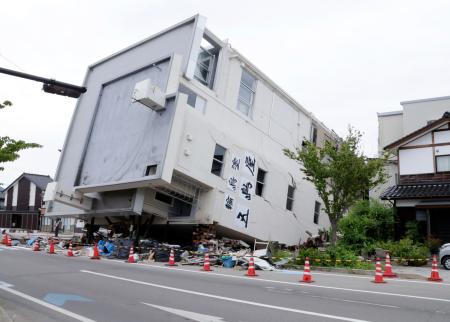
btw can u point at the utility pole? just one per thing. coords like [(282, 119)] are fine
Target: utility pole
[(50, 85)]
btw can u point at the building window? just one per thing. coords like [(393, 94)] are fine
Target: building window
[(316, 212), (290, 197), (206, 63), (260, 182), (161, 197), (443, 163), (217, 164), (314, 135), (246, 93)]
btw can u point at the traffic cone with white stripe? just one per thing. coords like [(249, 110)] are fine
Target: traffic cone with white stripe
[(172, 259), (131, 255), (70, 252), (95, 254), (307, 278), (36, 246), (434, 271), (52, 247), (8, 241), (378, 273), (251, 268), (206, 264), (388, 267)]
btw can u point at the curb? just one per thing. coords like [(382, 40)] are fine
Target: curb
[(356, 271)]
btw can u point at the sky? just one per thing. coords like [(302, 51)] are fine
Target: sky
[(342, 60)]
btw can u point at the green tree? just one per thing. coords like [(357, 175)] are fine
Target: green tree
[(10, 148), (340, 172)]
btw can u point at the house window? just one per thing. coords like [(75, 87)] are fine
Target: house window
[(314, 135), (290, 197), (217, 164), (443, 163), (316, 212), (246, 93), (260, 182), (206, 63)]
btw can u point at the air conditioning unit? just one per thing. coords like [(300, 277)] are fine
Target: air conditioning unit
[(149, 95)]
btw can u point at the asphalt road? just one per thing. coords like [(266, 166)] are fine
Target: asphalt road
[(39, 287)]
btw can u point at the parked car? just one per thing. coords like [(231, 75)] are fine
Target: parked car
[(444, 256)]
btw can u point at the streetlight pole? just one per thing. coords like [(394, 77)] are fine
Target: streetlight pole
[(50, 85)]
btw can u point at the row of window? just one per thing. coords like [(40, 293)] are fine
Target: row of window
[(217, 166)]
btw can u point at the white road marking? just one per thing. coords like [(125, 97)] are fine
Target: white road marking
[(301, 284), (188, 314), (7, 288), (224, 298)]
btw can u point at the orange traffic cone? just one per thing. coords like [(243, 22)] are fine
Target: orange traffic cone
[(52, 247), (95, 255), (172, 259), (36, 246), (206, 264), (378, 273), (434, 271), (388, 268), (8, 240), (5, 239), (70, 252), (131, 255), (251, 268), (307, 278)]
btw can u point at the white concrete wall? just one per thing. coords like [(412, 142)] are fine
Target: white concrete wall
[(275, 124), (418, 113), (390, 129)]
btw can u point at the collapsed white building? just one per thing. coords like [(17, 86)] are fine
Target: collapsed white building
[(179, 130)]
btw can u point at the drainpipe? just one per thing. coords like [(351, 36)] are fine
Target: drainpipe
[(428, 223)]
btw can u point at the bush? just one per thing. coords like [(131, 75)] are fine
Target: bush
[(368, 222), (407, 251), (333, 256)]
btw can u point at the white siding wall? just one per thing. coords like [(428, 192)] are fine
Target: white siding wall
[(32, 194), (15, 194), (416, 161)]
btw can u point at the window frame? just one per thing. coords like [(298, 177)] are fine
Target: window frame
[(262, 183), (290, 199), (209, 69), (222, 162), (252, 93), (163, 202), (317, 212), (436, 163)]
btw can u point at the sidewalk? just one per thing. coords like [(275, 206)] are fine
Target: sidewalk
[(405, 272)]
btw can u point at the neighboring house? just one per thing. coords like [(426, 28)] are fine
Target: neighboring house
[(180, 129), (421, 172), (23, 199)]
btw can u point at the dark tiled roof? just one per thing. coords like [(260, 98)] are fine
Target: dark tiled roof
[(425, 191), (39, 180)]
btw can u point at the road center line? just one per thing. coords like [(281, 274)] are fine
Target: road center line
[(299, 284), (224, 298), (47, 305)]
